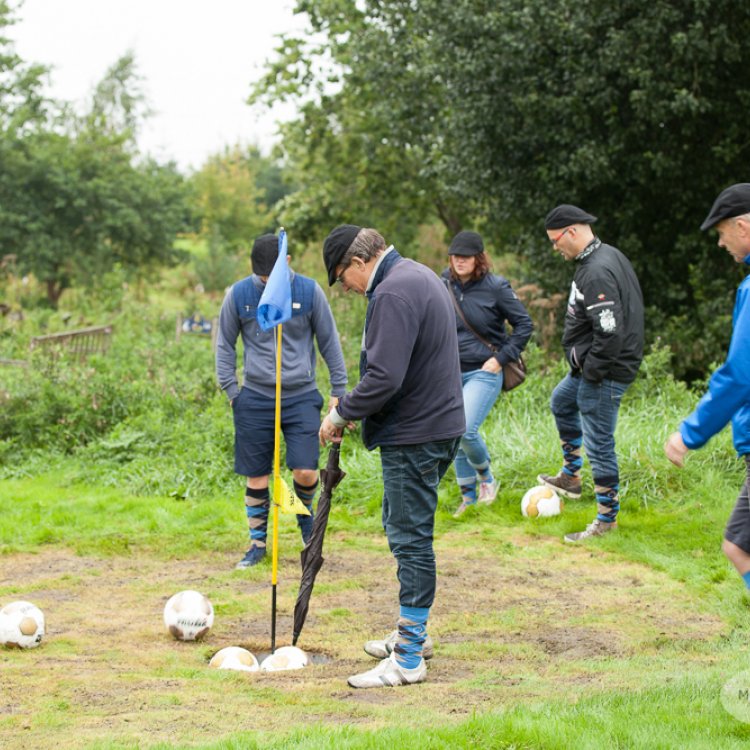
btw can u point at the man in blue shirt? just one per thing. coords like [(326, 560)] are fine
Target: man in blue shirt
[(728, 396)]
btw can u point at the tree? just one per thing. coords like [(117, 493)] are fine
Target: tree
[(500, 110), (76, 198), (233, 196)]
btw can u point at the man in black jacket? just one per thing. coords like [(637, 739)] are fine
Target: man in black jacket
[(603, 343), (411, 406)]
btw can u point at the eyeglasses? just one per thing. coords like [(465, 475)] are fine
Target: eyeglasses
[(340, 277), (555, 240)]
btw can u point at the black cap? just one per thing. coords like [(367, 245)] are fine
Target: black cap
[(335, 246), (264, 254), (565, 215), (734, 201), (466, 243)]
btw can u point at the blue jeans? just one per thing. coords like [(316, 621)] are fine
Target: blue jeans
[(590, 409), (481, 389), (411, 475)]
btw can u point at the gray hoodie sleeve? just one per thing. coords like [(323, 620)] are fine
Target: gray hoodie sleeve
[(324, 327), (226, 347)]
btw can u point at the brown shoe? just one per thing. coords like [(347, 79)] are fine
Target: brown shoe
[(595, 528), (562, 483)]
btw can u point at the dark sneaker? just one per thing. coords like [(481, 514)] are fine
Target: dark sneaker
[(562, 483), (389, 673), (595, 528), (252, 557), (384, 647)]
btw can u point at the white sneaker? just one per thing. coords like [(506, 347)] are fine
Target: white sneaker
[(389, 673), (384, 647), (488, 492)]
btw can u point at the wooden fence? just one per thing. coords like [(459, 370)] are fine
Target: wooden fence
[(80, 343)]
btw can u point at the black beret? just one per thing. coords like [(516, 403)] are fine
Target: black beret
[(734, 201), (466, 243), (264, 254), (565, 215), (335, 246)]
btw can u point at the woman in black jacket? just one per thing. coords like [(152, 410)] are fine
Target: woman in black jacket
[(485, 302)]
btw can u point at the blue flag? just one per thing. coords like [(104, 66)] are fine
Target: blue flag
[(276, 301)]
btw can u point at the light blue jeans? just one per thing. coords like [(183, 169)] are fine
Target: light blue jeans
[(481, 389)]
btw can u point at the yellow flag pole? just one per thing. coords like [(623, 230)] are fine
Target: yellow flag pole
[(276, 490)]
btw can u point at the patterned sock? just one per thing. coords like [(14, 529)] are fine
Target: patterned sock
[(746, 578), (412, 631), (572, 459), (468, 492), (484, 473), (307, 495), (256, 506), (607, 498)]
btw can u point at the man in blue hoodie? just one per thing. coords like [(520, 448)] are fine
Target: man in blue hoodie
[(253, 404), (410, 401), (728, 396)]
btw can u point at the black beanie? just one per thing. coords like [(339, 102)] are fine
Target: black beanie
[(335, 247)]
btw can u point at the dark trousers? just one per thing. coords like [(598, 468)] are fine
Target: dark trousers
[(411, 475)]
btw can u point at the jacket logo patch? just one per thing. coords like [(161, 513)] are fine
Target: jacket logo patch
[(600, 296), (607, 321)]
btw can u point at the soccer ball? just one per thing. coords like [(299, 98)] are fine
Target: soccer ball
[(188, 616), (234, 657), (540, 502), (21, 625), (286, 657)]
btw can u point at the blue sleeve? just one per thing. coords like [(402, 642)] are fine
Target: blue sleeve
[(729, 386), (226, 343), (324, 327)]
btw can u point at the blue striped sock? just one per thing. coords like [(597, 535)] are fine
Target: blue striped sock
[(256, 507), (607, 498), (572, 459), (307, 495), (412, 631), (746, 578)]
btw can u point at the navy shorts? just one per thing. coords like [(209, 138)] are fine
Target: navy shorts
[(738, 526), (254, 417)]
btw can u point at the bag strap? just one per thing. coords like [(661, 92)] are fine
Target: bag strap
[(460, 312)]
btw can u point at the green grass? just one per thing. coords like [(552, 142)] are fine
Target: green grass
[(146, 475)]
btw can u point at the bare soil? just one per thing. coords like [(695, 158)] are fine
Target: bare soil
[(533, 620)]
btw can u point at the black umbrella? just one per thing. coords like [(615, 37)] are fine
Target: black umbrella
[(312, 555)]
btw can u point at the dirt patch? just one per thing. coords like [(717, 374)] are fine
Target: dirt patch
[(534, 621)]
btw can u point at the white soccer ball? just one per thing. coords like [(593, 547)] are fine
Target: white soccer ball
[(21, 625), (188, 616), (286, 657), (234, 657), (540, 502)]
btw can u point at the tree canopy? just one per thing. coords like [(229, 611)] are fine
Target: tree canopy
[(75, 196), (487, 114)]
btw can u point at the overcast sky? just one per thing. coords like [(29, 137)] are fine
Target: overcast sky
[(198, 58)]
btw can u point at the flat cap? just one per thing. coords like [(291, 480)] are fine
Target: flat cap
[(466, 243), (734, 201), (335, 246), (565, 215), (264, 254)]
